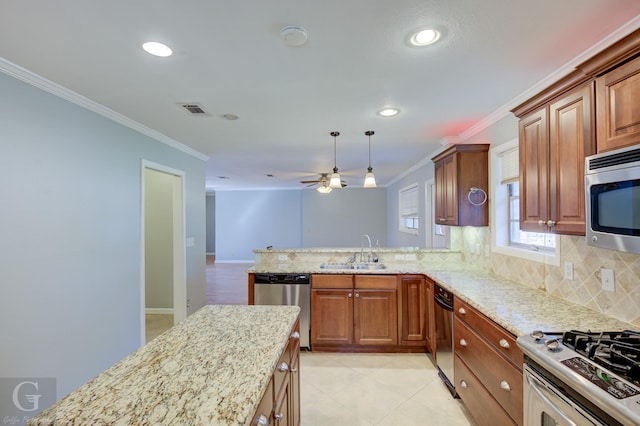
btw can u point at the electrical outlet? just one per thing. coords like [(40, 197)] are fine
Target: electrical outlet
[(282, 257), (608, 280), (568, 271)]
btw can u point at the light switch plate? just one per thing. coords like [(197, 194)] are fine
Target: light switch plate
[(568, 271), (282, 257), (608, 279)]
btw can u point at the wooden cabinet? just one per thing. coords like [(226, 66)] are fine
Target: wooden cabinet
[(487, 368), (553, 142), (457, 170), (413, 312), (618, 107), (430, 315), (354, 310), (280, 404)]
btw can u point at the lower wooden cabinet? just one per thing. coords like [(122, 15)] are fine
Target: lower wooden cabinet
[(354, 310), (413, 312), (487, 368), (280, 404)]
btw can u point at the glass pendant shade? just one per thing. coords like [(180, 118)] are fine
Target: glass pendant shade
[(324, 188), (335, 181), (369, 178)]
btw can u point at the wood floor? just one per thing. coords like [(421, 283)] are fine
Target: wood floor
[(227, 283)]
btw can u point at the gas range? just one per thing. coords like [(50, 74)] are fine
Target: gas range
[(598, 371)]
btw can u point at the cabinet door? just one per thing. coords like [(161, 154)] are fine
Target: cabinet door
[(281, 410), (440, 191), (376, 317), (570, 140), (430, 317), (265, 407), (450, 190), (332, 316), (618, 115), (534, 184), (414, 305)]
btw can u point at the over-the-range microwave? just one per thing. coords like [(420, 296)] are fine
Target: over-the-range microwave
[(612, 197)]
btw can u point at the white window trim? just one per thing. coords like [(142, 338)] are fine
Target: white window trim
[(401, 226), (499, 236)]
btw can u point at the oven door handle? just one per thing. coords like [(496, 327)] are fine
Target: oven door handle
[(533, 384)]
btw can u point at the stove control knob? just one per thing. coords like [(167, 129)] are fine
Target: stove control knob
[(537, 334), (552, 344)]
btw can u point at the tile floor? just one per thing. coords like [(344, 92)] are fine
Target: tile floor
[(375, 389), (156, 324)]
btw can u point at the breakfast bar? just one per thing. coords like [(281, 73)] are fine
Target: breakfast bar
[(213, 368)]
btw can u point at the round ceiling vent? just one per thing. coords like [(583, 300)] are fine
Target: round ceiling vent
[(293, 36)]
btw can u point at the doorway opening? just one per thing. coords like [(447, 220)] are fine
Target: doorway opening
[(163, 252)]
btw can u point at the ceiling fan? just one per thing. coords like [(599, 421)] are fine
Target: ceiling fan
[(323, 180)]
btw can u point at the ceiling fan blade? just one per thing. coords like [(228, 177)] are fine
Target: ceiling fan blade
[(310, 181)]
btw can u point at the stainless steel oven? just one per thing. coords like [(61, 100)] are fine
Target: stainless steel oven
[(444, 336)]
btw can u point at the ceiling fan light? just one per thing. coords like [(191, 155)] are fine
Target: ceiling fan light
[(324, 189), (335, 181), (370, 179)]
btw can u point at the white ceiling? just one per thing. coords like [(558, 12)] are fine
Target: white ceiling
[(229, 57)]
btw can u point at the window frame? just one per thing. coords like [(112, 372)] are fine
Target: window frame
[(499, 219)]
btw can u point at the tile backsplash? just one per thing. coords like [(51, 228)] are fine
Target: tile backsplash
[(585, 288)]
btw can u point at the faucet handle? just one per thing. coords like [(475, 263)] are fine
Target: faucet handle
[(352, 259)]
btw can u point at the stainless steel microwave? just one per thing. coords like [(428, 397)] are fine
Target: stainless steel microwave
[(612, 197)]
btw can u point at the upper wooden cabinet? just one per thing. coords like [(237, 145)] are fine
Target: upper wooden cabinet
[(553, 143), (618, 103), (457, 170)]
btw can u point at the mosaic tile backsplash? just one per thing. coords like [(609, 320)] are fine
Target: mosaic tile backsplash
[(585, 289)]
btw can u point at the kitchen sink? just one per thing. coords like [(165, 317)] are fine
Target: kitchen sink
[(346, 265)]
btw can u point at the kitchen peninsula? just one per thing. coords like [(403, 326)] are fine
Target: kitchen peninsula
[(213, 368)]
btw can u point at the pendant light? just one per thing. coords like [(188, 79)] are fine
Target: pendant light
[(335, 181), (369, 178)]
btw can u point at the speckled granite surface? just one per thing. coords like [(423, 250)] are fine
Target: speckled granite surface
[(211, 369), (521, 309)]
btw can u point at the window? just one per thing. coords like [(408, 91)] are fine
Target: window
[(409, 219), (505, 211)]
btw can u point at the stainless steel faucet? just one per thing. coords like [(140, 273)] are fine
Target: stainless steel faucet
[(370, 258)]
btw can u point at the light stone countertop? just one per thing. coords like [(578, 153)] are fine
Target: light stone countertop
[(212, 368)]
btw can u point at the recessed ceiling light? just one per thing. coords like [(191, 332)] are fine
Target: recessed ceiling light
[(388, 112), (157, 49), (424, 37)]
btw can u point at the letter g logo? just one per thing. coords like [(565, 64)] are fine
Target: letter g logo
[(33, 399)]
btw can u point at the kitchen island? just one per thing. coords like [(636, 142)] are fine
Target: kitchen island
[(213, 368)]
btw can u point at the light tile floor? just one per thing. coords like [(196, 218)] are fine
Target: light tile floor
[(375, 389), (156, 324)]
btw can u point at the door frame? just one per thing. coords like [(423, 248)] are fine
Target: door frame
[(179, 244)]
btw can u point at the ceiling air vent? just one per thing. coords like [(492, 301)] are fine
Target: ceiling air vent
[(194, 109)]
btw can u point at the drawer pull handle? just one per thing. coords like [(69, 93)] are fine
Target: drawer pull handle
[(283, 367), (462, 311), (295, 335), (278, 416), (463, 342), (262, 420), (463, 384), (504, 344), (505, 385)]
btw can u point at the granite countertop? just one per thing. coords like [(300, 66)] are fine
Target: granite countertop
[(212, 368)]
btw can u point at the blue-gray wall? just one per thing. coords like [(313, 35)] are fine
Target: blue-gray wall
[(70, 223)]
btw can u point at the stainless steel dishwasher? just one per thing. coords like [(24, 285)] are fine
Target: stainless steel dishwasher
[(286, 290), (444, 336)]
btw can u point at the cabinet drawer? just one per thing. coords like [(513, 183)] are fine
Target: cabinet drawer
[(502, 341), (331, 281), (484, 409), (499, 377), (281, 373), (378, 282)]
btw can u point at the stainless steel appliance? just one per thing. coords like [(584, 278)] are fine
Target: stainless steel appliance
[(286, 289), (581, 378), (444, 336), (612, 198)]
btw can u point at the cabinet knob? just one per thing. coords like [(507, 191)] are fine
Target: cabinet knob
[(504, 344), (283, 367), (463, 342), (278, 416), (551, 223), (295, 335), (462, 311), (542, 223), (262, 420), (442, 219), (350, 294), (505, 385), (463, 384), (294, 370), (357, 294)]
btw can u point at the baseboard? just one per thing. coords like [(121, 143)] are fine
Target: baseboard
[(163, 311)]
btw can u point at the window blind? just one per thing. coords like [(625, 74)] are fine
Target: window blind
[(409, 201), (510, 164)]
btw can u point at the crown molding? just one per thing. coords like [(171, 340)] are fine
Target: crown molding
[(42, 83)]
